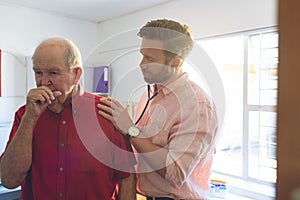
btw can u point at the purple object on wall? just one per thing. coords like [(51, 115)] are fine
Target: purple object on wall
[(101, 77)]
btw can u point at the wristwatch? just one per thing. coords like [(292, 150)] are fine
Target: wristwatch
[(133, 131)]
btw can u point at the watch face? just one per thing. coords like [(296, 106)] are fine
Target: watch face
[(133, 131)]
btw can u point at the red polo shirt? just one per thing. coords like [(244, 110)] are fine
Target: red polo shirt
[(77, 155)]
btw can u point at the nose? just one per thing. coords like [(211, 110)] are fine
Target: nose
[(143, 64), (44, 80)]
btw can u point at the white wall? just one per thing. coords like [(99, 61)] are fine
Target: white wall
[(21, 30), (205, 17)]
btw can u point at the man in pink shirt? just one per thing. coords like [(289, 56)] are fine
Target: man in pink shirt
[(176, 125)]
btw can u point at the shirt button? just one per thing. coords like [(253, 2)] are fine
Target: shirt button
[(63, 122), (60, 194), (62, 145), (61, 169)]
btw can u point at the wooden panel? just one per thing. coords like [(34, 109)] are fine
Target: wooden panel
[(288, 121)]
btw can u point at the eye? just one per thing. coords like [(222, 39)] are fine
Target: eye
[(38, 73), (53, 73), (150, 59)]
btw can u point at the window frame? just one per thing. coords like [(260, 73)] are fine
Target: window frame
[(268, 193)]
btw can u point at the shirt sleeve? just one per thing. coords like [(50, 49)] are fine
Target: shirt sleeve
[(191, 142), (15, 126), (123, 157)]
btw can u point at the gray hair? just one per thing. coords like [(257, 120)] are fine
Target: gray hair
[(72, 53)]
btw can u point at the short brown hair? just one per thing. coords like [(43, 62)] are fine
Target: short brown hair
[(177, 38)]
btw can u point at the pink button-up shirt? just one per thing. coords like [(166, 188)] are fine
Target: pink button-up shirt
[(183, 120)]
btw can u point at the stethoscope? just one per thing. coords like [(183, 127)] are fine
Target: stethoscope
[(149, 99)]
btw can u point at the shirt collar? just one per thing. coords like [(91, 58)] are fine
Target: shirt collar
[(171, 87), (76, 98)]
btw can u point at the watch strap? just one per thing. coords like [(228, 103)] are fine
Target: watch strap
[(128, 136)]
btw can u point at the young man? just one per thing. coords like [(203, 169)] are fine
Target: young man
[(175, 127), (59, 147)]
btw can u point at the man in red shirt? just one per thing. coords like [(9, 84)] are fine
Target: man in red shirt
[(59, 148)]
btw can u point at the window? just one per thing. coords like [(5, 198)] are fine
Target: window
[(247, 63)]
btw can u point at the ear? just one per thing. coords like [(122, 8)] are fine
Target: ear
[(78, 73), (177, 61)]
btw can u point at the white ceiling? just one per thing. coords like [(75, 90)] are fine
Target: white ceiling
[(91, 10)]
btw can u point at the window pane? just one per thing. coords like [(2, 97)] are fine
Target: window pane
[(228, 55), (262, 145), (262, 69), (262, 92)]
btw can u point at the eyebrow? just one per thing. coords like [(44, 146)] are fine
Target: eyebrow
[(47, 69)]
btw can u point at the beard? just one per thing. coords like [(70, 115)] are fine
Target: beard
[(158, 76)]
